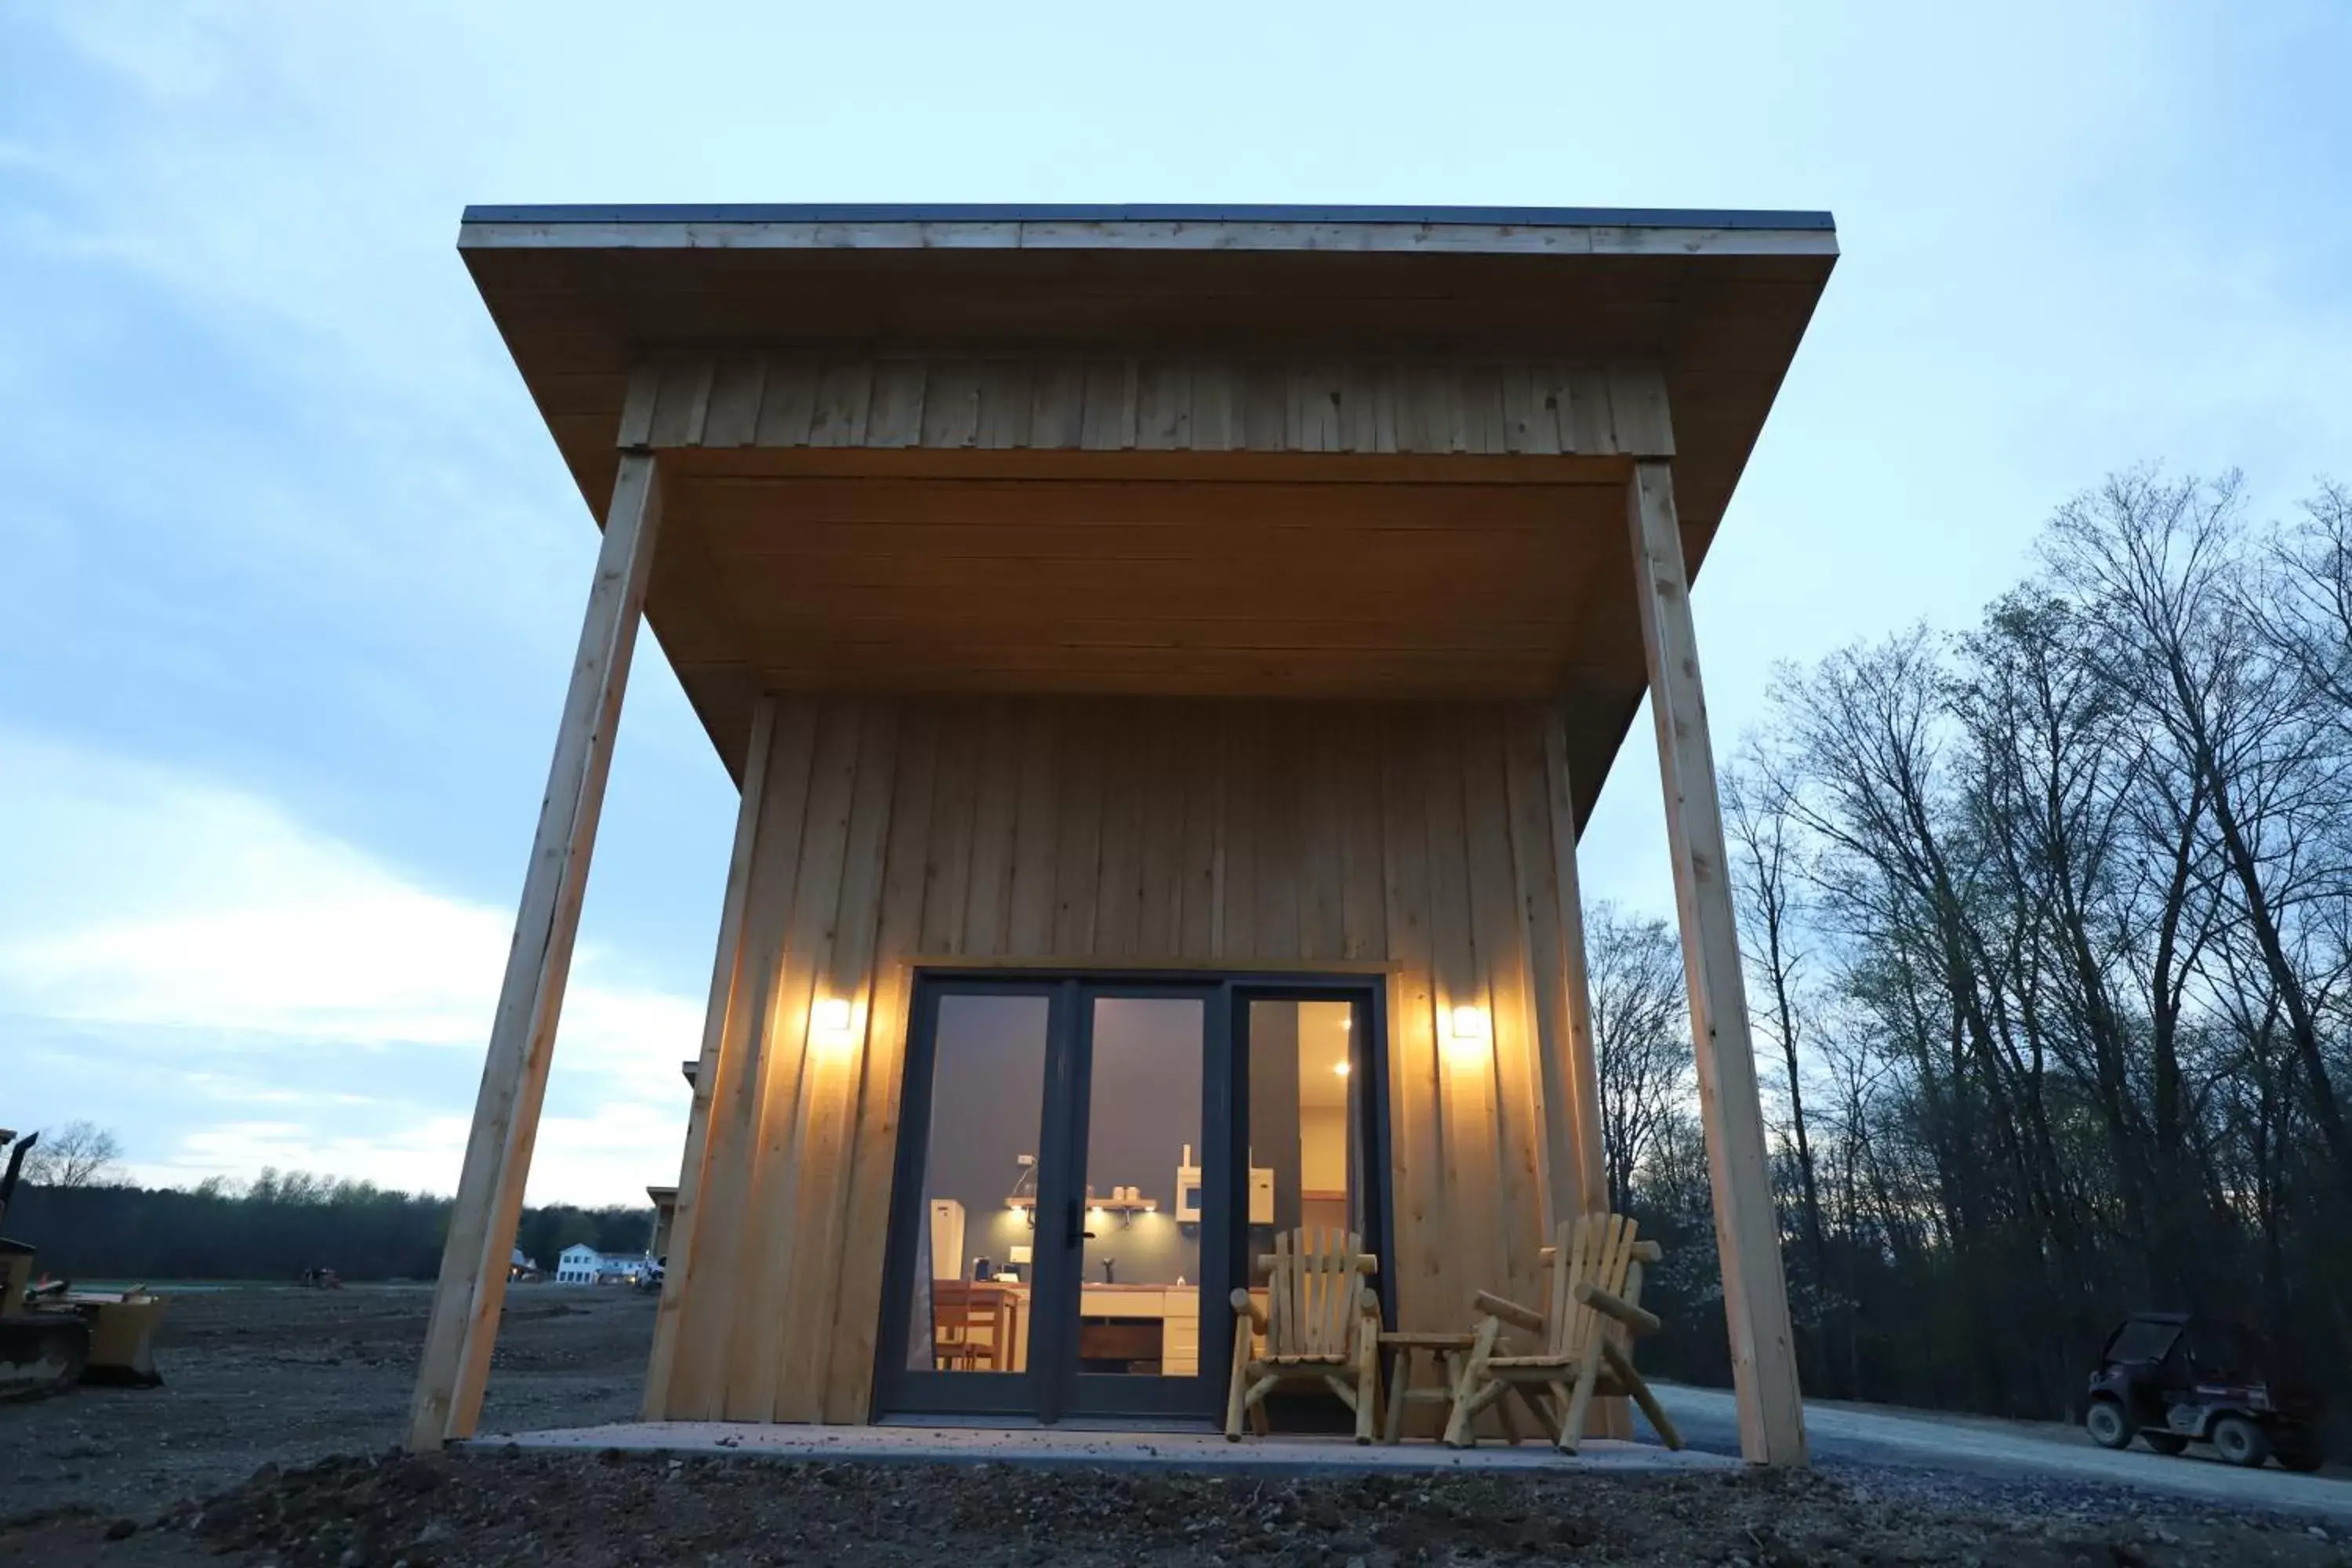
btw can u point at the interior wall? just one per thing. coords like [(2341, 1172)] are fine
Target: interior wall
[(1323, 1148), (1429, 841)]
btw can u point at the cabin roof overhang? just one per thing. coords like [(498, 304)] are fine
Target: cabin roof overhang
[(1712, 302)]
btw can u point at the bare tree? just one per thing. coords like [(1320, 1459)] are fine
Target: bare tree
[(2161, 571), (78, 1155), (1758, 817), (1639, 1037), (2050, 923), (2309, 619)]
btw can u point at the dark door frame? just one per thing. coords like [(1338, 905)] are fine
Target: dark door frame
[(1051, 1388)]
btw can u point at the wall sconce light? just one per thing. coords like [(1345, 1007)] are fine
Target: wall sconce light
[(1023, 1199), (1469, 1027), (1342, 1068), (833, 1023)]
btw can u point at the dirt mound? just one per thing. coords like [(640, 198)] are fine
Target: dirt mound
[(603, 1511)]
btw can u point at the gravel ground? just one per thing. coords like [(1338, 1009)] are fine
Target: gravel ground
[(271, 1443), (586, 1512), (1842, 1436), (277, 1373)]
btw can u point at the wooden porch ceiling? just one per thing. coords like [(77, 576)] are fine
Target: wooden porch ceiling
[(1098, 573), (1345, 576)]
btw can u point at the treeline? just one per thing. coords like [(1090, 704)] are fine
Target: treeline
[(276, 1227), (2049, 926)]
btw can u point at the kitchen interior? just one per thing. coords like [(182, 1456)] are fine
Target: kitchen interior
[(1140, 1299)]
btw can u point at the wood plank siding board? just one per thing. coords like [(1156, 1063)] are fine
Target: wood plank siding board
[(713, 1261), (1414, 1077), (712, 1065), (891, 832), (1123, 402), (779, 1274)]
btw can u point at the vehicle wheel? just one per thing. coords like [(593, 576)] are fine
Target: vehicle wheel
[(2105, 1424), (2302, 1458), (2241, 1442), (2165, 1442)]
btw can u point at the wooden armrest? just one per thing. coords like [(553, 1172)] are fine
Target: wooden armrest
[(1509, 1312), (1247, 1306), (1625, 1312)]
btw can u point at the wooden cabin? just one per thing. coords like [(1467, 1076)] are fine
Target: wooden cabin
[(1168, 656)]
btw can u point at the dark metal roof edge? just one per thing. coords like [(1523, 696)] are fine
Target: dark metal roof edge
[(870, 212)]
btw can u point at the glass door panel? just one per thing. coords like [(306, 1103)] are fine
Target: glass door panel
[(1140, 1292), (969, 1311), (1306, 1117), (1309, 1080), (1087, 1168)]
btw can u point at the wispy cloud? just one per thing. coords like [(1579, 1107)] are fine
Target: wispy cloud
[(285, 998)]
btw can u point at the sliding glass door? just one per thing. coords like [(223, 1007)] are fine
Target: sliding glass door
[(1087, 1168)]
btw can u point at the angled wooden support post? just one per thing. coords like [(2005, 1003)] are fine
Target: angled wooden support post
[(474, 1261), (1747, 1230)]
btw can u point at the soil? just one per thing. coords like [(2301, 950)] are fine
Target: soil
[(284, 1375), (272, 1443)]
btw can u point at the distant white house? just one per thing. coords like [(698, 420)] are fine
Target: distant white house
[(577, 1265), (581, 1264)]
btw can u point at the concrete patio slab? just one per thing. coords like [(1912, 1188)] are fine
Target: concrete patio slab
[(1070, 1447)]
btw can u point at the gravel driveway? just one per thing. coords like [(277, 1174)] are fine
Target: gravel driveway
[(1847, 1435)]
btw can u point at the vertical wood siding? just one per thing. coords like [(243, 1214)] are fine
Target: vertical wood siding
[(855, 397), (1434, 840)]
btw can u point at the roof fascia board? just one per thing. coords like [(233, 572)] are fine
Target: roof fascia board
[(1467, 230)]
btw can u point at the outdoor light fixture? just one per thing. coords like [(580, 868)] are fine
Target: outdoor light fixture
[(1340, 1067), (831, 1022), (1469, 1026)]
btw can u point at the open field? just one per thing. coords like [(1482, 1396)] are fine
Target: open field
[(277, 1375), (309, 1390)]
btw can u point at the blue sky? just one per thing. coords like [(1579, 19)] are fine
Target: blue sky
[(290, 574)]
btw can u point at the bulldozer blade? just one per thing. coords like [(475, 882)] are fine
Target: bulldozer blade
[(42, 1355), (121, 1339)]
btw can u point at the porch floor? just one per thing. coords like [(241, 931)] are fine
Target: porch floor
[(1075, 1446)]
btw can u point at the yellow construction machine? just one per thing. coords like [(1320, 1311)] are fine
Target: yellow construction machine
[(53, 1337)]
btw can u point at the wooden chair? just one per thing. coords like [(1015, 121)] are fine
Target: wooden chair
[(1592, 1288), (1322, 1323), (958, 1309)]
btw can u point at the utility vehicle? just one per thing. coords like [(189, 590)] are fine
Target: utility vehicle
[(2174, 1378)]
